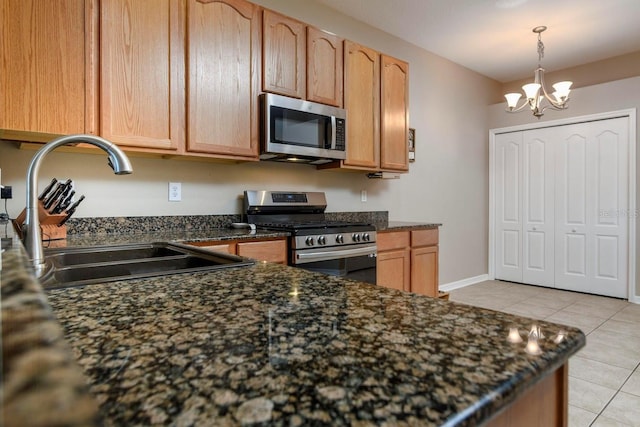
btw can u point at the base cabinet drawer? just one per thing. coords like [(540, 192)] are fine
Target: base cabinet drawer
[(273, 250), (228, 248)]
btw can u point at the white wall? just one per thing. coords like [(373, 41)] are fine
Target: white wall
[(448, 183), (612, 96)]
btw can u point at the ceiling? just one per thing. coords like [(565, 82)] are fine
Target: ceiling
[(494, 37)]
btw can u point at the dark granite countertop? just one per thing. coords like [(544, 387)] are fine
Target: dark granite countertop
[(405, 225), (215, 234), (274, 345)]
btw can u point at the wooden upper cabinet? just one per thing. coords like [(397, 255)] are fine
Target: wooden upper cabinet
[(142, 73), (362, 102), (47, 82), (394, 112), (284, 59), (223, 77), (325, 70)]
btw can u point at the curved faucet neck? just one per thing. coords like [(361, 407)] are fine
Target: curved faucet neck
[(31, 231)]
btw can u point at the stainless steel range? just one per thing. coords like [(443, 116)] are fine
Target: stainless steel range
[(339, 248)]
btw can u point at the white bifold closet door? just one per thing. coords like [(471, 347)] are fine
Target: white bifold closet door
[(561, 202), (592, 207), (524, 168)]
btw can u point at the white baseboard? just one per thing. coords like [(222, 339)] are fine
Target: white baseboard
[(634, 299), (464, 282)]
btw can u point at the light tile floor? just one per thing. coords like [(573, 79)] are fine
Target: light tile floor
[(604, 377)]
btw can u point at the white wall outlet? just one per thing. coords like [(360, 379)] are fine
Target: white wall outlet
[(175, 191), (363, 195)]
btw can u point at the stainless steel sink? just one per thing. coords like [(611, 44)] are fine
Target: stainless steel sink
[(78, 266)]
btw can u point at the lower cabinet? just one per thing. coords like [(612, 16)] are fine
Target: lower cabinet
[(408, 261), (272, 250), (394, 260)]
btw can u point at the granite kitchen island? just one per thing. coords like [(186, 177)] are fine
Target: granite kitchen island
[(275, 345), (278, 345)]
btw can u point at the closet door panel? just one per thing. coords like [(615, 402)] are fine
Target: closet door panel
[(611, 208), (571, 208), (538, 190), (592, 207), (508, 218)]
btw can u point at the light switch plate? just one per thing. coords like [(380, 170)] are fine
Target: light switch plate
[(175, 191)]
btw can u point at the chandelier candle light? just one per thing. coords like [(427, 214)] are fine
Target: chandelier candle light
[(532, 90)]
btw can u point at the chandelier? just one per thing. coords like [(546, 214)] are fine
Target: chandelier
[(536, 93)]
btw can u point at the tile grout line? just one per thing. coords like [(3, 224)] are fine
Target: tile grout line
[(614, 396)]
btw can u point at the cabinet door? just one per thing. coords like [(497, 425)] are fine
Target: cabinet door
[(45, 88), (394, 116), (393, 269), (424, 271), (284, 61), (362, 102), (223, 77), (272, 250), (325, 61), (142, 73)]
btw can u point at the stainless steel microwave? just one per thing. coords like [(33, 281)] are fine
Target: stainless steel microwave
[(301, 131)]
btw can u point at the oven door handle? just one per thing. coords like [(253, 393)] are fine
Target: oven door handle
[(369, 250)]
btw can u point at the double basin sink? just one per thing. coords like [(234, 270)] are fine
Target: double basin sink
[(78, 266)]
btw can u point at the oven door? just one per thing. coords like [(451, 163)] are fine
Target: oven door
[(358, 263)]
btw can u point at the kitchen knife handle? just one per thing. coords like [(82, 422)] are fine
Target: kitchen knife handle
[(57, 195), (64, 204), (47, 189), (75, 205), (66, 218), (60, 199), (52, 194)]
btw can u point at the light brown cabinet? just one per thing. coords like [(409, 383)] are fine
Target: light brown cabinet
[(271, 250), (376, 97), (362, 102), (408, 260), (48, 79), (223, 53), (142, 99), (301, 61), (284, 59), (393, 268), (394, 114), (182, 77), (325, 67)]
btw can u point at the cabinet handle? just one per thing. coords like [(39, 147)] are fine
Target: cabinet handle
[(534, 228), (573, 230)]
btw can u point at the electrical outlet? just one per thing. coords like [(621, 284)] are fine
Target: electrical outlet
[(363, 196), (175, 191), (5, 192)]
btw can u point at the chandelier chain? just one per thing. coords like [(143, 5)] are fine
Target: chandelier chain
[(540, 49)]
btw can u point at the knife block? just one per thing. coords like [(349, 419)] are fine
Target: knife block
[(49, 228)]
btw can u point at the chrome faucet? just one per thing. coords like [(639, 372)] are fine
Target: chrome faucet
[(31, 233)]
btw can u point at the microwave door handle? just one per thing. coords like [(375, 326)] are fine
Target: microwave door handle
[(333, 132)]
